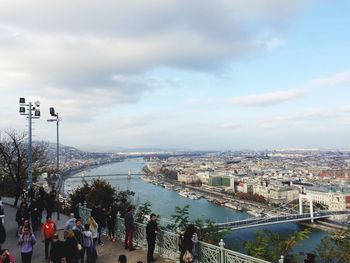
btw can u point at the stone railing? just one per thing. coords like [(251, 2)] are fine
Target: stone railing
[(167, 244)]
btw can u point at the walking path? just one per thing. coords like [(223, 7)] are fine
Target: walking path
[(108, 253)]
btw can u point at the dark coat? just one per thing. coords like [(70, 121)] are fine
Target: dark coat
[(57, 251), (111, 219), (129, 221), (151, 229), (2, 234), (70, 246), (98, 215), (21, 215)]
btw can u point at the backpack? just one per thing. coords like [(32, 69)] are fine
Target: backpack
[(87, 240)]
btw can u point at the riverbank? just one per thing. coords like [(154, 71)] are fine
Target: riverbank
[(324, 226), (252, 208), (163, 202), (221, 199)]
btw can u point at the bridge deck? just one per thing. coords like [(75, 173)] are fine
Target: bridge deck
[(261, 221)]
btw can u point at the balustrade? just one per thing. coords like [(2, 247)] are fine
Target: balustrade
[(167, 245)]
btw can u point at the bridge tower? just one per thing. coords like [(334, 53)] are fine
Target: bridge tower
[(308, 198)]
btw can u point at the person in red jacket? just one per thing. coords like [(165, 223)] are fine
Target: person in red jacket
[(48, 230), (6, 256)]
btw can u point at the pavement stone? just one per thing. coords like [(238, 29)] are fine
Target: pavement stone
[(108, 253)]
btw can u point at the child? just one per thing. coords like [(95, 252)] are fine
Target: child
[(88, 243)]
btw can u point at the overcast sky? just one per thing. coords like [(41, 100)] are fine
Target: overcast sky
[(223, 74)]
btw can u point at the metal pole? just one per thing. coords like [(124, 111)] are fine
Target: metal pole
[(58, 170), (58, 146), (30, 180)]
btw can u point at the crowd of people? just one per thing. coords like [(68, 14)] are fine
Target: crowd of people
[(79, 241), (29, 220)]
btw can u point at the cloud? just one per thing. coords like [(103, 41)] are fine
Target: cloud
[(339, 79), (315, 115), (267, 99), (102, 51), (277, 97)]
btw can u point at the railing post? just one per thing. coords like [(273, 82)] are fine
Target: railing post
[(118, 225), (222, 244), (178, 252), (84, 214), (281, 260), (144, 241)]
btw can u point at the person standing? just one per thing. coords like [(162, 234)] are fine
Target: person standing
[(99, 216), (17, 194), (2, 234), (129, 229), (70, 223), (6, 256), (34, 214), (111, 218), (57, 251), (187, 242), (26, 241), (78, 233), (71, 247), (22, 214), (88, 244), (21, 228), (48, 229), (151, 234), (122, 259), (50, 201), (93, 227)]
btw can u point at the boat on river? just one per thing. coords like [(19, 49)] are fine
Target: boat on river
[(193, 196), (184, 193), (234, 207)]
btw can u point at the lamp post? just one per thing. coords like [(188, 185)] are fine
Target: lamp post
[(29, 112), (57, 120)]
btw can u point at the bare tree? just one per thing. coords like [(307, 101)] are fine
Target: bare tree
[(14, 159)]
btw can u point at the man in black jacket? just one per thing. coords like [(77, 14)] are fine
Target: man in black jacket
[(2, 233), (151, 233), (57, 250)]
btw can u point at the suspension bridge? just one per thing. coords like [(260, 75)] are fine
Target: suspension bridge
[(263, 221)]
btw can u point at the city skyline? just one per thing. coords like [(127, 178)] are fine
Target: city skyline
[(176, 74)]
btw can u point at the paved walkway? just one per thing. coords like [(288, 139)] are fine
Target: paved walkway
[(108, 253)]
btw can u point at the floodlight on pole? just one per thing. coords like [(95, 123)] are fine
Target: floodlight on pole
[(27, 109), (57, 120)]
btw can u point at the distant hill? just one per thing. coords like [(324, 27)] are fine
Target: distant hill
[(108, 148)]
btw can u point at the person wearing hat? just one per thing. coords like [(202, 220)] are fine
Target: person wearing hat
[(57, 250), (48, 230)]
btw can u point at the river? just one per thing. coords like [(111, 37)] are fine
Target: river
[(164, 202)]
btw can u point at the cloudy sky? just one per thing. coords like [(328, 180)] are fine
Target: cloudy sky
[(224, 74)]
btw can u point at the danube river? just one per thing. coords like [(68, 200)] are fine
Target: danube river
[(164, 202)]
